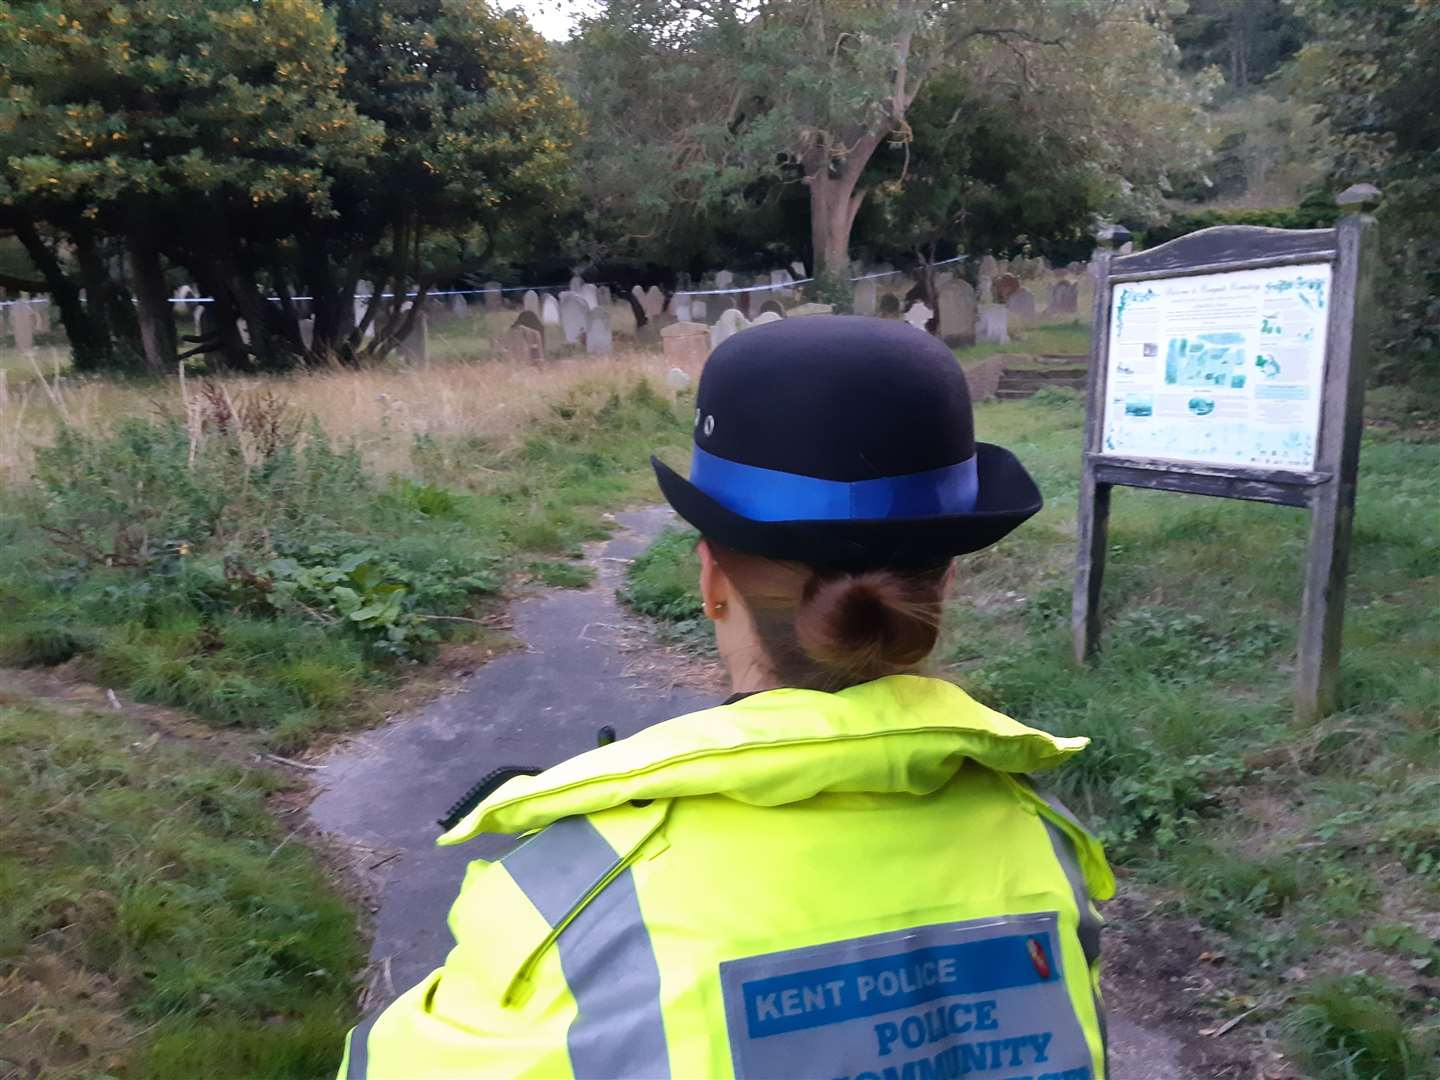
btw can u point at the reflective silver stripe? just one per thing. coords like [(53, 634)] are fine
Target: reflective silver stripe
[(360, 1046), (605, 951), (1090, 923)]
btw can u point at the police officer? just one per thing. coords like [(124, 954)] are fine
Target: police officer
[(844, 870)]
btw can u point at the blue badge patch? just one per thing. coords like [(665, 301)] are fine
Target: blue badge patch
[(984, 999)]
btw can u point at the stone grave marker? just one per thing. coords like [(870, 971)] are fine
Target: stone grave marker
[(919, 315), (599, 341), (576, 283), (307, 331), (889, 305), (1064, 298), (956, 307), (686, 342), (698, 310), (724, 279), (1005, 286), (717, 306), (993, 324), (766, 317), (677, 381), (988, 266), (730, 323), (531, 302), (415, 346), (680, 306), (773, 307), (654, 301), (458, 307), (22, 323), (523, 344), (573, 315), (798, 269), (803, 310), (41, 310), (591, 295), (866, 297), (531, 321), (1022, 305), (492, 295), (549, 310)]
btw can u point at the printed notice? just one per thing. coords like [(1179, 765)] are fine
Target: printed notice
[(984, 999), (1224, 369)]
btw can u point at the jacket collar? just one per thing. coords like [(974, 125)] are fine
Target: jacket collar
[(903, 734)]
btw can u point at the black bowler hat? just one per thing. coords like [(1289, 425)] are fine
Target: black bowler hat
[(847, 443)]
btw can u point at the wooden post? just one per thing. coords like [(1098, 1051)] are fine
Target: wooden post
[(1332, 504), (1093, 511)]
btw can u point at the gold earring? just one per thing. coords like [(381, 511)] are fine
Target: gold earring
[(717, 609)]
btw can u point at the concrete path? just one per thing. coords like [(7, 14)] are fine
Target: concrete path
[(382, 792)]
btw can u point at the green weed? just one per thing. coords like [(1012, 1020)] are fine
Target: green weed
[(1358, 1028)]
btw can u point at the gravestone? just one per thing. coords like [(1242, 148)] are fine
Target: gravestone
[(42, 316), (415, 346), (599, 341), (717, 306), (522, 344), (677, 381), (803, 310), (603, 297), (680, 306), (730, 323), (531, 302), (686, 342), (919, 315), (573, 315), (22, 323), (182, 294), (866, 297), (577, 283), (773, 307), (698, 310), (1005, 286), (531, 321), (1022, 305), (549, 310), (889, 306), (767, 317), (654, 301), (724, 279), (307, 331), (988, 266), (591, 295), (956, 308), (1064, 299), (199, 317), (797, 268), (993, 324), (494, 298), (458, 307)]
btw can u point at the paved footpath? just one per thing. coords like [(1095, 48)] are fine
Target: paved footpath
[(384, 790)]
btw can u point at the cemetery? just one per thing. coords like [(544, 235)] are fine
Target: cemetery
[(328, 396)]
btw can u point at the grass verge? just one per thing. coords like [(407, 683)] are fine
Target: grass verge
[(155, 918), (1311, 853)]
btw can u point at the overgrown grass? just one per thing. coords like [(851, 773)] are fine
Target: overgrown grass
[(235, 562), (1058, 339), (156, 920), (1286, 839)]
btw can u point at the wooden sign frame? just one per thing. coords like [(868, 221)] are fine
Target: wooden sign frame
[(1327, 491)]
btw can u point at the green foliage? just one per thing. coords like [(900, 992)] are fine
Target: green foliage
[(1357, 1028), (1315, 214), (137, 866)]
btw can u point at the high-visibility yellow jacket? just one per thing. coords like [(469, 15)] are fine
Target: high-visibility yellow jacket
[(858, 885)]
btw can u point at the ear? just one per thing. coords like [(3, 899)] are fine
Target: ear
[(714, 585)]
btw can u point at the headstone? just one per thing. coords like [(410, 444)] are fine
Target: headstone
[(803, 310), (182, 294), (531, 302), (458, 307), (724, 279), (988, 267), (41, 310), (522, 344), (199, 317), (955, 303), (766, 317), (1022, 305), (718, 305), (604, 299), (866, 296), (531, 321), (680, 306), (494, 298), (22, 323), (598, 339), (993, 324), (591, 295), (364, 291), (919, 315), (415, 346), (889, 305), (797, 268), (549, 310), (677, 381), (773, 307), (686, 342), (1064, 299), (1005, 286), (654, 301), (698, 310), (573, 314), (730, 323), (577, 283)]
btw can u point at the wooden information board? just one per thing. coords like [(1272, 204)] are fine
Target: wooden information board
[(1231, 362)]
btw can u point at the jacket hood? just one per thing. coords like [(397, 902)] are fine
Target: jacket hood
[(902, 734)]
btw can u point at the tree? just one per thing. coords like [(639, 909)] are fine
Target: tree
[(1372, 70), (1247, 40), (808, 92)]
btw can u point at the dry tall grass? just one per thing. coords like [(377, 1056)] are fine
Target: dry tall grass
[(378, 410)]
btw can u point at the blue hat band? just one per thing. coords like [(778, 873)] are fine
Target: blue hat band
[(770, 495)]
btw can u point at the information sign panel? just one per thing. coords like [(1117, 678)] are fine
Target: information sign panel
[(1224, 368)]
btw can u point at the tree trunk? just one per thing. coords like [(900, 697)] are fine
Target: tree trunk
[(152, 299), (834, 203), (89, 341)]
